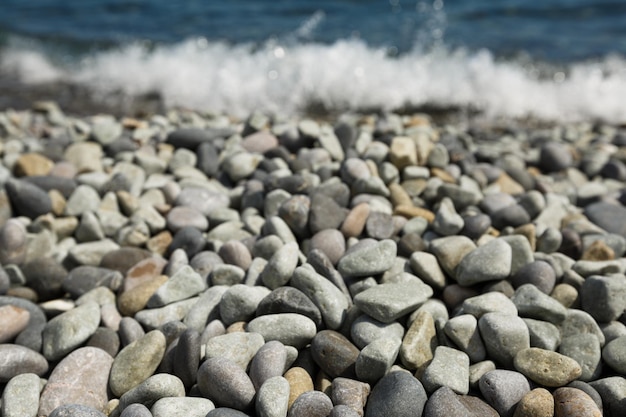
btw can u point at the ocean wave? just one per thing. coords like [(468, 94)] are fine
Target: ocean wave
[(288, 78)]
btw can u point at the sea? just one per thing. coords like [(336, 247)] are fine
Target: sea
[(550, 60)]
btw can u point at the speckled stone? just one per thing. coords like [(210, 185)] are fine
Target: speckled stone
[(226, 384), (574, 402), (536, 403), (73, 381), (21, 396), (238, 347), (272, 398), (550, 369), (504, 336), (334, 353)]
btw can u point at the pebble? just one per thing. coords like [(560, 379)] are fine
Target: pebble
[(281, 266), (334, 353), (329, 299), (272, 399), (450, 250), (183, 216), (185, 283), (463, 331), (151, 390), (503, 390), (504, 336), (397, 394), (27, 199), (585, 349), (614, 354), (376, 358), (545, 367), (289, 328), (571, 401), (535, 304), (20, 397), (289, 300), (188, 406), (226, 384), (73, 381), (187, 357), (76, 410), (427, 268), (538, 273), (449, 368), (365, 330), (16, 360), (311, 403), (31, 336), (536, 403), (419, 343), (136, 362), (604, 297), (12, 242), (543, 334), (490, 302), (299, 381), (14, 320), (608, 216), (238, 347), (69, 330), (489, 262), (368, 260), (388, 302)]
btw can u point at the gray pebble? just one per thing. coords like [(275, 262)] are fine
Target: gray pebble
[(21, 396), (136, 410), (281, 266), (187, 357), (368, 259), (489, 302), (84, 278), (234, 252), (375, 359), (69, 330), (225, 274), (289, 328), (614, 354), (31, 336), (240, 302), (534, 304), (427, 268), (365, 330), (205, 309), (489, 262), (396, 394), (28, 199), (187, 406), (538, 273), (585, 349), (388, 302), (226, 384), (446, 403), (272, 398), (331, 302), (183, 216), (76, 410), (238, 348), (450, 368), (334, 353), (504, 335), (543, 334), (289, 300), (577, 322), (343, 411), (463, 331), (269, 362), (188, 239), (153, 389), (311, 404), (503, 389), (447, 221), (604, 297), (613, 391)]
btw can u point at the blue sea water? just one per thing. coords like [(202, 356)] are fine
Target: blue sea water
[(552, 60)]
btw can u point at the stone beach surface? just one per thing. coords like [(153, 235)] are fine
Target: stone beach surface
[(193, 264)]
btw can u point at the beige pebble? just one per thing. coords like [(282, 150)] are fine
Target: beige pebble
[(537, 403), (13, 320), (546, 367), (31, 164), (354, 223), (299, 382)]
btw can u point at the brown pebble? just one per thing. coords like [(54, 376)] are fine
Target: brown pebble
[(135, 299), (570, 402), (529, 232), (509, 185), (237, 327), (442, 175), (323, 383), (58, 202), (598, 251), (412, 211), (399, 195), (143, 271), (13, 319), (402, 152), (351, 393), (30, 164), (567, 295), (26, 293), (159, 243), (419, 343), (536, 403), (299, 382), (354, 223)]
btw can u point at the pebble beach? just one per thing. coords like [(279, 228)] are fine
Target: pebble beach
[(196, 264)]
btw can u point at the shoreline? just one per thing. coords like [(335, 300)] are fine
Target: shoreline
[(352, 264)]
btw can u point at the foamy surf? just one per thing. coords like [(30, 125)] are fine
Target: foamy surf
[(289, 78)]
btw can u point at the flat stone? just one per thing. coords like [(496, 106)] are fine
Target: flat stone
[(334, 353), (503, 390), (21, 396), (536, 403), (188, 406), (153, 389), (136, 362), (449, 368), (183, 216), (238, 347), (388, 302), (288, 328), (272, 398), (226, 384), (608, 216), (396, 394), (504, 336), (331, 302), (153, 318), (66, 332), (368, 260), (16, 360), (73, 381)]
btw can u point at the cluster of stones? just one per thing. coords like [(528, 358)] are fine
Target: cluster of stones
[(195, 265)]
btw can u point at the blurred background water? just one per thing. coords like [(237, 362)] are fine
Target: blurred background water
[(551, 60)]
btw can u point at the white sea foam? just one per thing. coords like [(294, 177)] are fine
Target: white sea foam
[(348, 74)]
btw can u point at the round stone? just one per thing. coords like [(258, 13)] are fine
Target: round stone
[(397, 394), (66, 332), (226, 384), (16, 360), (537, 403), (334, 353), (572, 401), (503, 390), (550, 369)]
